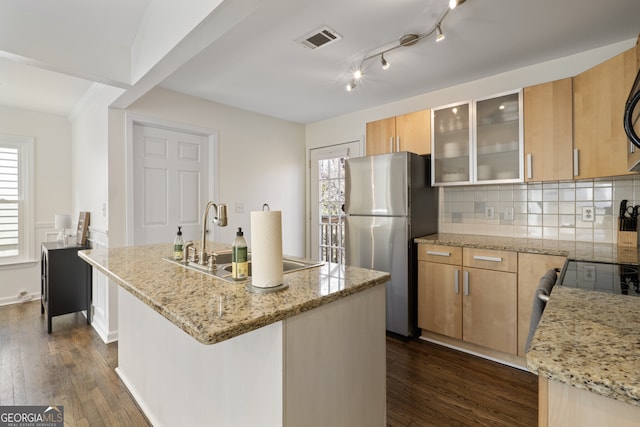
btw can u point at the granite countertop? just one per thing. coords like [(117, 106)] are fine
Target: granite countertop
[(590, 340), (213, 310), (582, 251)]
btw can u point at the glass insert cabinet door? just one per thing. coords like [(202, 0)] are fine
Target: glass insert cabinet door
[(451, 144), (498, 139), (479, 141)]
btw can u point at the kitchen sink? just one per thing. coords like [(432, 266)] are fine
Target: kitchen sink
[(223, 263), (288, 265)]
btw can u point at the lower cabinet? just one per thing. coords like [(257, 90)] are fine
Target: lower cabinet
[(490, 316), (440, 299), (474, 300)]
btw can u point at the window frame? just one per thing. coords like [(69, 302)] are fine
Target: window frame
[(26, 196)]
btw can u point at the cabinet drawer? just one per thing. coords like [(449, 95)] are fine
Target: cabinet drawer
[(490, 259), (440, 254)]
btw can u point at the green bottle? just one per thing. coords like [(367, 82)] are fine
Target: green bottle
[(239, 257), (178, 245)]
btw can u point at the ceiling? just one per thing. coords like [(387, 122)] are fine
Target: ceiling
[(246, 53)]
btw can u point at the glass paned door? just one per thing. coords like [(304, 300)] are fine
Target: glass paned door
[(327, 198)]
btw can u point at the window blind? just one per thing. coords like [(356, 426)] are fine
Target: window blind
[(9, 201)]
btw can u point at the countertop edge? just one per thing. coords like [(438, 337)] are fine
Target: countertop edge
[(246, 326), (435, 239)]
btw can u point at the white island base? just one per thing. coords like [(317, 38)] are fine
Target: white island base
[(323, 367)]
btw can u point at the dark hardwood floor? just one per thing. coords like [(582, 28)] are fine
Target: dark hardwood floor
[(431, 385), (71, 367), (427, 385)]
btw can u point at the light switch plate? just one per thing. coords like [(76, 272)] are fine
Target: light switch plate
[(588, 214)]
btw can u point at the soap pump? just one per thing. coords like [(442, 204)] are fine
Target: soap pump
[(239, 257), (178, 245)]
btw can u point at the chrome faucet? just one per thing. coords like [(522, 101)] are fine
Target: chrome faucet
[(220, 220)]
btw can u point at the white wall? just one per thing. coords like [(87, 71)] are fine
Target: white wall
[(260, 159), (89, 153), (52, 149)]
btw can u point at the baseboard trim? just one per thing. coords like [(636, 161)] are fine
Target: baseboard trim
[(20, 300), (136, 397), (476, 350), (105, 335)]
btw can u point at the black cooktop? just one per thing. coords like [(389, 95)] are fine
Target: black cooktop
[(601, 276)]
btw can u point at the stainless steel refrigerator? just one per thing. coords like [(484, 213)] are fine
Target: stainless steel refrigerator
[(388, 203)]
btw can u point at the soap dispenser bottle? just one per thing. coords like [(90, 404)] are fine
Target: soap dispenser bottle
[(178, 246), (239, 257)]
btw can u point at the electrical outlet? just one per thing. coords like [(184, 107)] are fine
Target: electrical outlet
[(588, 214), (508, 214), (589, 273), (489, 212)]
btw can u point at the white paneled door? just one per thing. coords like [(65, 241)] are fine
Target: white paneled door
[(171, 187)]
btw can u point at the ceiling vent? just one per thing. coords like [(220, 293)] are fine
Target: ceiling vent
[(320, 37)]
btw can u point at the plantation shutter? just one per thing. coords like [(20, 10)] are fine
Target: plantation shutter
[(10, 202)]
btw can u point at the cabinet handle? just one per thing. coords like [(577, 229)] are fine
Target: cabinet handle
[(391, 144), (437, 253), (465, 278), (397, 144), (456, 281), (529, 166), (487, 258), (576, 162)]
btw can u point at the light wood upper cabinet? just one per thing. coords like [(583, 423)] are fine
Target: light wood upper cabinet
[(380, 136), (531, 267), (409, 132), (548, 131), (599, 96)]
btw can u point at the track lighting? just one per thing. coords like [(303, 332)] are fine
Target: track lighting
[(385, 64), (440, 34), (405, 41)]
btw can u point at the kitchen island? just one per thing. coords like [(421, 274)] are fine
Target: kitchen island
[(197, 350)]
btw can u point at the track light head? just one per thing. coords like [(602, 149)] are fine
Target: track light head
[(385, 63), (351, 86), (439, 33), (357, 74), (454, 3)]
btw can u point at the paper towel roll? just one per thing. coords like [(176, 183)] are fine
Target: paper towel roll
[(266, 249)]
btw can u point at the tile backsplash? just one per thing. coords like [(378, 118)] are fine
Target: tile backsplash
[(552, 210)]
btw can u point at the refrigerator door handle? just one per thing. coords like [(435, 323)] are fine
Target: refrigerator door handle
[(466, 283), (456, 281)]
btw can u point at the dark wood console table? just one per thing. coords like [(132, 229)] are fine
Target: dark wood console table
[(65, 281)]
